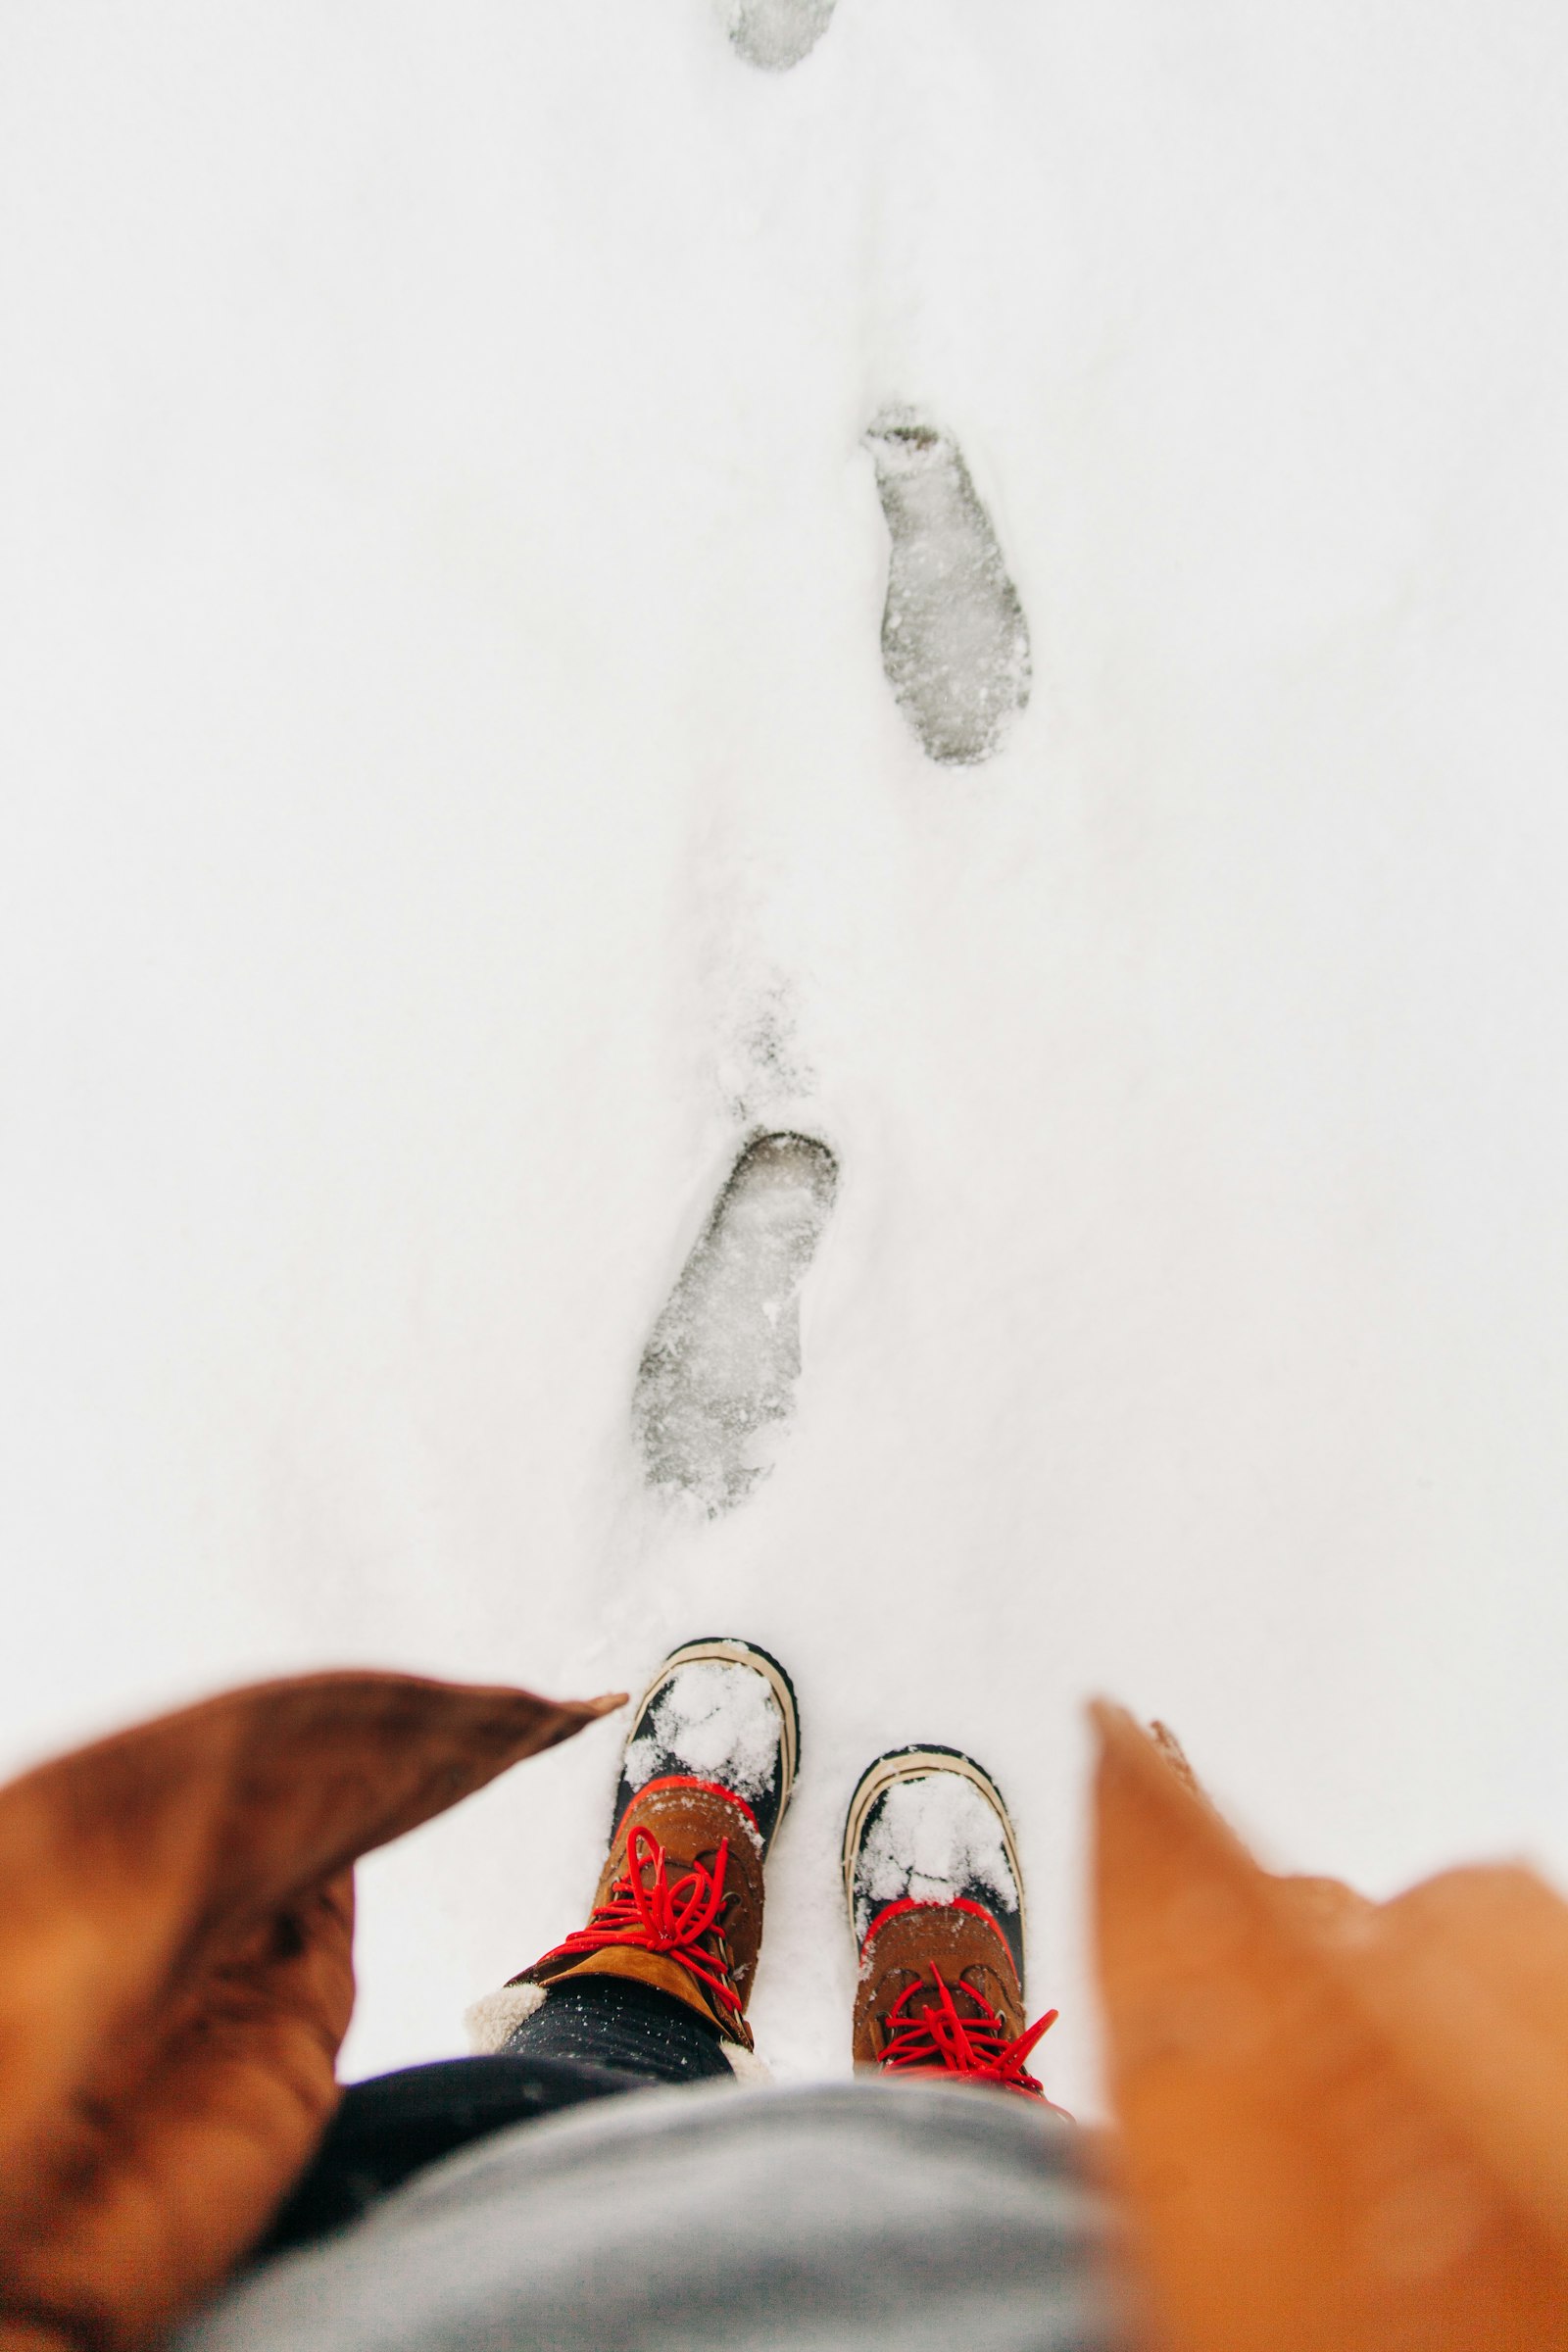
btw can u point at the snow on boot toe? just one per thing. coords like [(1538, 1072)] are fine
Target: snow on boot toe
[(717, 1378), (722, 1711), (928, 1825), (955, 640)]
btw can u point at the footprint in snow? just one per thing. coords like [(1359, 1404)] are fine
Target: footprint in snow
[(776, 34), (718, 1377), (954, 641)]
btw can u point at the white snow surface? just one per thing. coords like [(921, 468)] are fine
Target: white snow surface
[(721, 1722), (452, 795), (930, 1839)]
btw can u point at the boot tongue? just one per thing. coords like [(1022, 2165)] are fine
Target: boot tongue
[(929, 1998)]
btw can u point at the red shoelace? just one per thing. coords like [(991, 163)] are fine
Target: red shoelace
[(658, 1917), (942, 2039)]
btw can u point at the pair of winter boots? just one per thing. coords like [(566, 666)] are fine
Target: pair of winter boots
[(931, 1877)]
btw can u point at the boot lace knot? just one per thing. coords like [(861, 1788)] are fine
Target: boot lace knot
[(648, 1912), (940, 2037)]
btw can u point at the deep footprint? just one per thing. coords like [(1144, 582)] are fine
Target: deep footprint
[(955, 640), (777, 33), (717, 1378)]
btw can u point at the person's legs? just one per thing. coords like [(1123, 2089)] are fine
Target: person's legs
[(935, 1897), (654, 1990), (907, 2208)]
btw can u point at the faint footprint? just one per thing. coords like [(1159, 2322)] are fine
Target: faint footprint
[(718, 1377), (757, 1064), (776, 33), (954, 641)]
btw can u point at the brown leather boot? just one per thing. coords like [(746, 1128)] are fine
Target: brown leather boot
[(936, 1902), (704, 1778)]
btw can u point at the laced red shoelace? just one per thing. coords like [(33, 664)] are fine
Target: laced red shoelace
[(941, 2038), (658, 1917)]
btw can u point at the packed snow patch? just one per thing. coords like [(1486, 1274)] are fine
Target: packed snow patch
[(717, 1379), (955, 640), (776, 34), (932, 1839), (720, 1722)]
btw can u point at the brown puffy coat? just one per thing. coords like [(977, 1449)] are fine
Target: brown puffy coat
[(1342, 2126), (176, 1916)]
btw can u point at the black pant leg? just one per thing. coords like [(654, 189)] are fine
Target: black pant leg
[(614, 2021), (590, 2040)]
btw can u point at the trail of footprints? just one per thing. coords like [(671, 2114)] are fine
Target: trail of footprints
[(716, 1388)]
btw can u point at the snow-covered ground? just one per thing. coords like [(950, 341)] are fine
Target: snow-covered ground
[(452, 797)]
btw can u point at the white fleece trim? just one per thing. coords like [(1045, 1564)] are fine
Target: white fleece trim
[(746, 2065), (496, 2016)]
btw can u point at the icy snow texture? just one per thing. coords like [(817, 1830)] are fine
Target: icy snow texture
[(776, 33), (441, 581), (954, 641), (717, 1378), (721, 1722), (930, 1838)]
